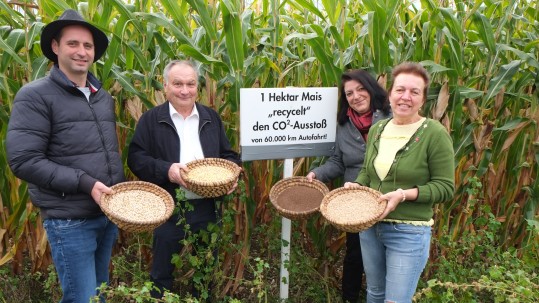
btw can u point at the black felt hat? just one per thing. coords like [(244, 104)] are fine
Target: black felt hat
[(71, 17)]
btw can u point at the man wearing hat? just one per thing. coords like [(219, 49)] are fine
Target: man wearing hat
[(62, 140)]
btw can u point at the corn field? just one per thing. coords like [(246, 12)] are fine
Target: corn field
[(483, 57)]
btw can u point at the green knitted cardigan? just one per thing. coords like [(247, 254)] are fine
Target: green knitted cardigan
[(425, 162)]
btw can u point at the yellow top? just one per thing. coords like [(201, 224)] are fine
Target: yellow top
[(392, 139)]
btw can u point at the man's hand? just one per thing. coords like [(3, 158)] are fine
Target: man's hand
[(98, 190), (175, 173), (233, 188), (235, 183)]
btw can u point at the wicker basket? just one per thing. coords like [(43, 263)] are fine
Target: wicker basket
[(137, 206), (296, 197), (211, 177), (352, 210)]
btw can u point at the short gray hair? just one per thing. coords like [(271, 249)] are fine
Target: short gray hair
[(173, 63)]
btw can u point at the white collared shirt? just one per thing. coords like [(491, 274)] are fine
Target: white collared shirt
[(190, 147)]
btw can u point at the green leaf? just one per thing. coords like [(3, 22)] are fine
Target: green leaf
[(177, 11), (528, 58), (39, 67), (452, 23), (379, 45), (469, 93), (54, 9), (125, 10), (312, 8), (333, 9), (295, 65), (233, 35), (349, 54), (14, 17), (503, 77), (484, 29), (141, 58), (12, 55), (456, 51), (435, 68), (199, 56), (15, 40), (509, 125), (125, 81), (391, 11), (337, 36), (316, 40), (161, 20), (207, 22), (164, 45)]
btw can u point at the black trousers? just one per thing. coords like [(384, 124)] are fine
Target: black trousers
[(352, 275), (166, 243)]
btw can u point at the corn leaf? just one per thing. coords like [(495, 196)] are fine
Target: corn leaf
[(205, 19), (233, 34), (505, 74)]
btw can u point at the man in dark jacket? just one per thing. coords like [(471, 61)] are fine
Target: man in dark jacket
[(166, 138), (62, 140)]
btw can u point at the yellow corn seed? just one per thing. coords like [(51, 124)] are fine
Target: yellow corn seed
[(356, 207), (137, 206), (210, 174)]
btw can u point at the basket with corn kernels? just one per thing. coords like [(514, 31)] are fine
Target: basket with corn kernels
[(211, 177), (137, 206), (352, 210)]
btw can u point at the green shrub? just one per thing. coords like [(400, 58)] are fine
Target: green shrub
[(476, 268)]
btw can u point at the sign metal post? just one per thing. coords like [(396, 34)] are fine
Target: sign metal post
[(286, 230)]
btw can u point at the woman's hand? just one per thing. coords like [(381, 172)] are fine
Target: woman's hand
[(395, 197), (351, 185), (311, 176)]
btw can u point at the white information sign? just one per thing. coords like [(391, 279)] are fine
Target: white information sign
[(282, 123)]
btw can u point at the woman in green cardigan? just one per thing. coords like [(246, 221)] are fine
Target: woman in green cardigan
[(410, 159)]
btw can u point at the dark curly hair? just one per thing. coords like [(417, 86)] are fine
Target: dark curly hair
[(377, 93)]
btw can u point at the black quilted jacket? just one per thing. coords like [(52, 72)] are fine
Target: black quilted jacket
[(61, 144)]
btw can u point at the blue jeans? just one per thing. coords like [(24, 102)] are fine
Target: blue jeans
[(81, 251), (394, 256)]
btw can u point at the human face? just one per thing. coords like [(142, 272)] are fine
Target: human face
[(75, 51), (181, 88), (406, 98), (357, 96)]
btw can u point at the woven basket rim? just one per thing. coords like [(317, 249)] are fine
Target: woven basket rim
[(289, 182), (127, 224), (231, 166), (354, 226), (212, 189)]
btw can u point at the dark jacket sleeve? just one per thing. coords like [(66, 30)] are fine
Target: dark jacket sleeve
[(27, 141), (334, 166), (225, 148), (215, 143), (140, 160)]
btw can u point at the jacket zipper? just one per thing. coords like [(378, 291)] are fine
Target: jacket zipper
[(107, 156)]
